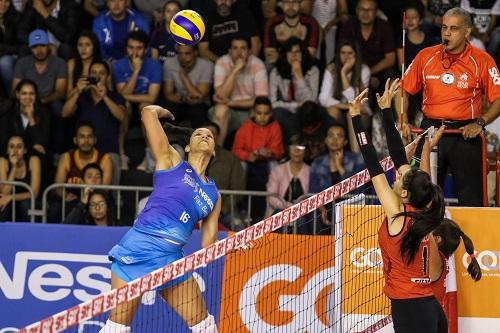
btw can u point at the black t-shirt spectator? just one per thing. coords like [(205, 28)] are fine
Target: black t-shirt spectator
[(105, 124), (221, 30), (63, 27), (380, 42)]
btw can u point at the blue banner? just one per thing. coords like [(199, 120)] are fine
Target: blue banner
[(47, 268)]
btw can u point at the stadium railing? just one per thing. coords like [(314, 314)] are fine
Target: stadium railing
[(119, 189), (25, 186)]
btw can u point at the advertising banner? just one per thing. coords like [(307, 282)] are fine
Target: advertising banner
[(283, 284), (478, 309), (45, 269)]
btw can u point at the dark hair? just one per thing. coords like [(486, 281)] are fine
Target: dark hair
[(6, 156), (11, 15), (110, 208), (283, 67), (339, 125), (262, 100), (355, 79), (421, 192), (451, 234), (418, 6), (96, 53), (211, 124), (84, 123), (310, 113), (38, 103), (243, 37), (91, 166), (101, 62), (139, 36), (169, 2), (375, 1)]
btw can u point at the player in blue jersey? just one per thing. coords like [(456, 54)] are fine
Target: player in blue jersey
[(182, 196)]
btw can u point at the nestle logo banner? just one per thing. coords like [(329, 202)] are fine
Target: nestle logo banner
[(50, 268)]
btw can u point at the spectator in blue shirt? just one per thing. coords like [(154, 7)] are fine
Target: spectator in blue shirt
[(137, 78), (162, 44), (335, 165), (331, 168), (113, 25)]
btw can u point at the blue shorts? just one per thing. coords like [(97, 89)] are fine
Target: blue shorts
[(138, 254)]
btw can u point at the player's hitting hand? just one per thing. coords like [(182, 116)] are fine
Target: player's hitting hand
[(358, 101), (160, 112)]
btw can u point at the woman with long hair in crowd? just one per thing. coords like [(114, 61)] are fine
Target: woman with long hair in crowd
[(345, 77), (25, 116), (414, 208), (294, 81), (88, 50), (17, 165), (96, 208)]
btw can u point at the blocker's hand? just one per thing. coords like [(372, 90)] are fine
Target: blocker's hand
[(358, 101), (384, 101), (161, 112)]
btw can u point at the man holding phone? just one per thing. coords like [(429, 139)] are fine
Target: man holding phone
[(103, 108)]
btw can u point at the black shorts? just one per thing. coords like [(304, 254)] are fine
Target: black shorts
[(418, 315)]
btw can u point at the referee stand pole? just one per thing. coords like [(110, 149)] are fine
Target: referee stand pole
[(484, 158)]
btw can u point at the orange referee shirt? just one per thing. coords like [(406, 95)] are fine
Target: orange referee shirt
[(453, 93), (403, 281)]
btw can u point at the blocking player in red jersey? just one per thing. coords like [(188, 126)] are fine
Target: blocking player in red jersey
[(414, 208)]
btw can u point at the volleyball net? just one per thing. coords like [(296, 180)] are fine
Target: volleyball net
[(331, 282)]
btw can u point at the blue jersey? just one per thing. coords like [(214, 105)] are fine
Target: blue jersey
[(180, 198), (151, 72)]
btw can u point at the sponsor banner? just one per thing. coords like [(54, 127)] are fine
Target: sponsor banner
[(51, 268), (362, 270), (283, 284), (483, 227)]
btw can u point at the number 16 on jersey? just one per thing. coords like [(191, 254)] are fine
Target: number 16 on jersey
[(184, 217)]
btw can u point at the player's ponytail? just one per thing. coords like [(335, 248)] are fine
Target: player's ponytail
[(474, 269), (428, 198), (450, 235)]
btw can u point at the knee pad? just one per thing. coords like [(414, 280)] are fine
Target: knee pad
[(112, 327), (207, 325)]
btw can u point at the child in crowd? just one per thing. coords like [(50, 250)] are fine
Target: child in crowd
[(258, 143)]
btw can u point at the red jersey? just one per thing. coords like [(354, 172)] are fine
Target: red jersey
[(402, 280), (439, 286), (75, 165), (453, 93)]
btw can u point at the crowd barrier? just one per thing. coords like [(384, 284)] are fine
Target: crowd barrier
[(49, 268), (32, 199), (117, 190)]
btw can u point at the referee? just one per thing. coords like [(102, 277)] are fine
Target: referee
[(454, 76)]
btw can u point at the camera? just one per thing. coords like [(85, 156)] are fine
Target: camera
[(93, 80)]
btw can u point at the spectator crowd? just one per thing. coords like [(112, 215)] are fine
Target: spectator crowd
[(271, 79)]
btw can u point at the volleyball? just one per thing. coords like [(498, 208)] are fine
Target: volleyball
[(187, 27)]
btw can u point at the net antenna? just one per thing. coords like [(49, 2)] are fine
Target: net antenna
[(403, 27)]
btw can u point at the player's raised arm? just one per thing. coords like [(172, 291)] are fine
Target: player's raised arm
[(387, 197), (166, 156)]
